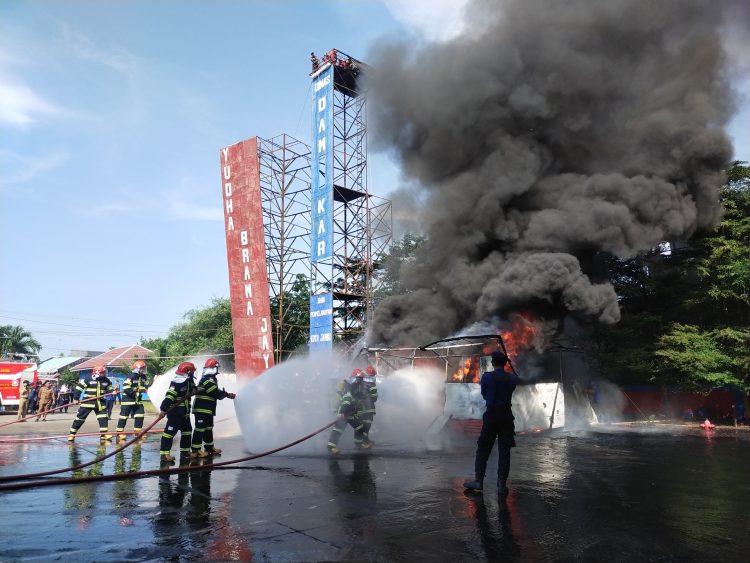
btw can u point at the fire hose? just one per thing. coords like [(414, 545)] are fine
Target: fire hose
[(147, 473), (102, 458), (18, 439), (15, 439), (95, 460), (71, 404)]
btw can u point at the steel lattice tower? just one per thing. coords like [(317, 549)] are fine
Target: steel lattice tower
[(284, 169), (361, 223)]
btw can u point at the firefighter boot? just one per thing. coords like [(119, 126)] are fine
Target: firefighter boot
[(214, 451), (195, 454), (333, 450), (71, 437), (166, 458)]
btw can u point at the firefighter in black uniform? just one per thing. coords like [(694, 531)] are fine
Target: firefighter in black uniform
[(204, 410), (98, 385), (349, 408), (180, 393), (131, 404)]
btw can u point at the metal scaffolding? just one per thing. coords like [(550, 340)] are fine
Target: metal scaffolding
[(362, 223), (284, 170)]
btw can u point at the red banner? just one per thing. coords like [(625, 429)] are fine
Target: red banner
[(246, 256)]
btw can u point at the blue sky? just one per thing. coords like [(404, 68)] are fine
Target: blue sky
[(111, 118)]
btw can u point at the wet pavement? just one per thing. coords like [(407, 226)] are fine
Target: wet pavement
[(659, 494)]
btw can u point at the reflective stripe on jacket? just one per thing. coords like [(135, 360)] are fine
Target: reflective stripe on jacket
[(93, 388), (208, 394)]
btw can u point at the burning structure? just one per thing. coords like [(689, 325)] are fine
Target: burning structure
[(464, 358), (548, 138)]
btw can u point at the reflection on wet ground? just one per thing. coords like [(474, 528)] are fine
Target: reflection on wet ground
[(623, 496)]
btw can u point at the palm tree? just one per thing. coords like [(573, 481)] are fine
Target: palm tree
[(17, 340)]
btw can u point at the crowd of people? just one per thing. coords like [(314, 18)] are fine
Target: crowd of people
[(332, 58), (42, 396)]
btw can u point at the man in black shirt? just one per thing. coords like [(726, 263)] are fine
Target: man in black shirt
[(497, 423)]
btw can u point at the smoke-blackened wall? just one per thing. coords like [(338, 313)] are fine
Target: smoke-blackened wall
[(555, 132)]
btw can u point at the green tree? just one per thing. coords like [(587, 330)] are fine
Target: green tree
[(204, 330), (68, 377), (17, 340), (290, 318), (686, 314), (400, 253)]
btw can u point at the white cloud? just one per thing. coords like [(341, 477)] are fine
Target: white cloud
[(20, 106), (182, 209), (19, 169), (117, 59), (436, 20), (100, 210)]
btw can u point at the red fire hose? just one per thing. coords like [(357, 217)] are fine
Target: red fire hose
[(38, 414), (141, 474), (18, 439), (82, 465), (15, 439)]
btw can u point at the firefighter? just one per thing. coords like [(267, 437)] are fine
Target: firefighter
[(204, 410), (131, 404), (180, 392), (349, 407), (46, 401), (98, 385), (367, 414)]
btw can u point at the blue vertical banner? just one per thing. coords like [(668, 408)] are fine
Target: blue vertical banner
[(321, 321), (321, 212), (321, 205)]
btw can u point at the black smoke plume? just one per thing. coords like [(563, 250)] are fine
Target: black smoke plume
[(547, 135)]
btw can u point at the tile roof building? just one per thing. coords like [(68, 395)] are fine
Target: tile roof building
[(115, 358)]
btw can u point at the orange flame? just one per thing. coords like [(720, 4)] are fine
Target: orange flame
[(468, 372), (521, 335), (518, 339)]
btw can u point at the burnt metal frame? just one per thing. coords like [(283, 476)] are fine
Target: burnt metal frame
[(284, 170)]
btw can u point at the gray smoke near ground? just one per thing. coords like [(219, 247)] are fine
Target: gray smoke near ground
[(554, 133)]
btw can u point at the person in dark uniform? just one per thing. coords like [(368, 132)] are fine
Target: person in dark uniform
[(350, 406), (497, 423), (204, 410), (180, 393), (98, 385), (131, 404)]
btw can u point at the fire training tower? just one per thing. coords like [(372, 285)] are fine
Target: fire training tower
[(284, 170), (350, 229)]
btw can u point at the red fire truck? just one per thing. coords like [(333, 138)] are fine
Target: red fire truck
[(12, 374)]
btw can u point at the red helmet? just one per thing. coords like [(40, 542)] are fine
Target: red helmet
[(371, 370), (99, 370), (186, 368), (139, 365), (211, 363), (356, 372)]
